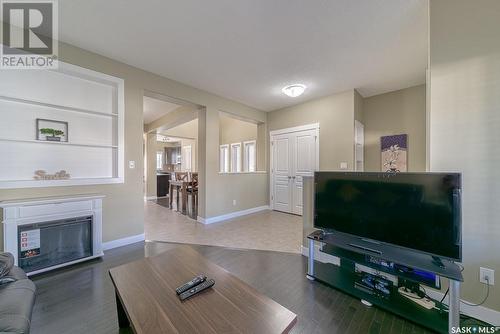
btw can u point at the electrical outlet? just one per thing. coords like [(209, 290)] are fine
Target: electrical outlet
[(344, 165), (131, 164), (486, 272), (234, 202)]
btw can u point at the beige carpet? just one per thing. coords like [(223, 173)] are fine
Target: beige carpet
[(267, 230)]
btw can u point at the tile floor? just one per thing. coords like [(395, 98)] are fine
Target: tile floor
[(267, 230)]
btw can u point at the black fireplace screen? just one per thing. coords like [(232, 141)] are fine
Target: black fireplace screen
[(47, 244)]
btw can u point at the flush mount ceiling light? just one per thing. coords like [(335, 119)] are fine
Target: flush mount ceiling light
[(294, 90)]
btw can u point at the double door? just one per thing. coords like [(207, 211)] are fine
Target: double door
[(294, 156)]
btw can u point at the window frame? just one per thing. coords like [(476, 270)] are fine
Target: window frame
[(160, 153), (246, 163), (224, 167), (238, 167)]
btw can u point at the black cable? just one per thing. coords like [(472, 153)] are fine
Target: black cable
[(467, 303), (484, 300), (445, 294), (447, 290)]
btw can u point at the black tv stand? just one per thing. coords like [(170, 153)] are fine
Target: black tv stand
[(353, 252), (437, 261)]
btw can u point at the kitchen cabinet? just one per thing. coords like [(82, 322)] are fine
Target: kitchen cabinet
[(162, 184), (173, 155)]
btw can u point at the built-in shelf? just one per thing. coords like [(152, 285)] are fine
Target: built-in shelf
[(57, 143), (55, 106), (91, 103), (59, 183)]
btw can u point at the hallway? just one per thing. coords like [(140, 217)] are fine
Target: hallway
[(266, 230)]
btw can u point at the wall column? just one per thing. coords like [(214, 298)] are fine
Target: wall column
[(208, 159)]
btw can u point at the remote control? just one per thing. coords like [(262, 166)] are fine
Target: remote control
[(194, 282), (199, 288)]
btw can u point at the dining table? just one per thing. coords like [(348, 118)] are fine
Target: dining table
[(182, 186)]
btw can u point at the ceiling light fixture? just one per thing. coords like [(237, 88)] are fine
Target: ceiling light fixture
[(294, 90)]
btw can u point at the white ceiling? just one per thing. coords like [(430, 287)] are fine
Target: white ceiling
[(154, 109), (247, 50)]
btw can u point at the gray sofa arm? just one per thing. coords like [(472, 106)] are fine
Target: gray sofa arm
[(16, 303)]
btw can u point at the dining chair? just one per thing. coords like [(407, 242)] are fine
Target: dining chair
[(181, 176), (193, 190)]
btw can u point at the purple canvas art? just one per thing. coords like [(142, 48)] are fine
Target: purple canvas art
[(394, 153)]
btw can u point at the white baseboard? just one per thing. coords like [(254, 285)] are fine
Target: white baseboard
[(479, 312), (320, 256), (123, 241), (231, 215), (305, 251), (150, 198)]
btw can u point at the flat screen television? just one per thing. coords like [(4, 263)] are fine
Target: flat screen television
[(419, 211)]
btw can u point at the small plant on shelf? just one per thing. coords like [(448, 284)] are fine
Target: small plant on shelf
[(52, 134)]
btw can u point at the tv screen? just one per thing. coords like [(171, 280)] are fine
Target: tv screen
[(420, 211)]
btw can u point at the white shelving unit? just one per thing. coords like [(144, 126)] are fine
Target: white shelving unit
[(92, 104)]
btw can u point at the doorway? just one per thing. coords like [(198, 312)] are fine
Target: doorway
[(294, 154)]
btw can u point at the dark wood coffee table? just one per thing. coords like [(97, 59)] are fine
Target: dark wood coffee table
[(147, 302)]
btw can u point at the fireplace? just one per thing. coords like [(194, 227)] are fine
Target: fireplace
[(44, 245), (49, 233)]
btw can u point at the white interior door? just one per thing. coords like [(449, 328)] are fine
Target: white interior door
[(282, 190), (295, 155), (304, 154)]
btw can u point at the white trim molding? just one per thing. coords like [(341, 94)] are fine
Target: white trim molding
[(312, 126), (123, 241), (216, 219), (479, 312), (321, 256), (150, 198)]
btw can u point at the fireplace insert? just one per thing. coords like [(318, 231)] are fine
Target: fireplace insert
[(47, 244)]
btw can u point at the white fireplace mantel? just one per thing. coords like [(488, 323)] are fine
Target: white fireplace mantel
[(15, 213)]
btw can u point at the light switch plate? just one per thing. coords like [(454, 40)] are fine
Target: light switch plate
[(131, 164)]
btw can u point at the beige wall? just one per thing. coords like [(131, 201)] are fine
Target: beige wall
[(397, 112), (464, 123), (172, 119), (233, 130), (335, 115), (123, 213), (249, 190), (185, 130)]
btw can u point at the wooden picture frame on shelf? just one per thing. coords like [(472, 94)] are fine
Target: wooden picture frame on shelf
[(51, 130)]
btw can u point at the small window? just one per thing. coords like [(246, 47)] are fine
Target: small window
[(224, 158), (236, 157), (249, 156), (159, 160)]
